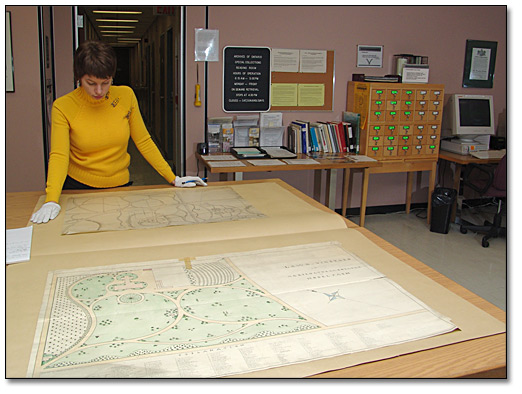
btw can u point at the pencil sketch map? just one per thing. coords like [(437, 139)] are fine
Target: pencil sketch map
[(222, 315), (155, 208)]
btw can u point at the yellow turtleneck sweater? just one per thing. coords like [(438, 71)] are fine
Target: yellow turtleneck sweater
[(89, 140)]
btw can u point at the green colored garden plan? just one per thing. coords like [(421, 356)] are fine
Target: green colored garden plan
[(222, 315)]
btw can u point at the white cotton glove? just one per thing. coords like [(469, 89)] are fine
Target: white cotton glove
[(188, 181), (47, 212)]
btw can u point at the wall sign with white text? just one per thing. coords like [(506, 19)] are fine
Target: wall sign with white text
[(246, 79)]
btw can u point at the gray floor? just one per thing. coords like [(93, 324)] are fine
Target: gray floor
[(141, 172), (458, 256)]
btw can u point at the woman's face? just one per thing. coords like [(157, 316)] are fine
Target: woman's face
[(97, 88)]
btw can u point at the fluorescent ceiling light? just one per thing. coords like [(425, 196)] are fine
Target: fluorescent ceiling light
[(118, 20), (116, 27), (117, 12), (116, 32)]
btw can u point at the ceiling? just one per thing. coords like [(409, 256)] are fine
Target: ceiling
[(145, 19)]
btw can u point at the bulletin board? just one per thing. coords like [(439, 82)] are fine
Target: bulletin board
[(326, 79)]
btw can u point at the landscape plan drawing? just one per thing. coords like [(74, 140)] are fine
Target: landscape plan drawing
[(222, 315), (155, 208)]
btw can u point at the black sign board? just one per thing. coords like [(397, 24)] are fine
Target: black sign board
[(246, 79)]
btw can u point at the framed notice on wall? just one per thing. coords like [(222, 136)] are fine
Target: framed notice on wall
[(246, 79), (479, 64)]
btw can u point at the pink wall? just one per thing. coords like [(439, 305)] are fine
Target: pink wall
[(24, 160), (439, 32)]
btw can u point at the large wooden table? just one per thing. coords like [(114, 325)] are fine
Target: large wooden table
[(330, 164), (482, 357)]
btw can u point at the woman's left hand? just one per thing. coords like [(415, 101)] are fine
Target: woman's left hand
[(188, 181)]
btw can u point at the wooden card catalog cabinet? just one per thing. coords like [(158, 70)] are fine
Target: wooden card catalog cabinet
[(398, 120)]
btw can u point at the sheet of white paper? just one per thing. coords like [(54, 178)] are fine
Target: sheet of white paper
[(218, 157), (271, 119), (312, 61), (271, 136), (267, 162), (231, 163), (18, 244), (240, 135), (285, 60), (301, 161)]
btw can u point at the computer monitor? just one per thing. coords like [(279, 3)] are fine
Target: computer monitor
[(468, 116)]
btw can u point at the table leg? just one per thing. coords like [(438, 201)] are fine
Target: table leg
[(433, 175), (456, 186), (409, 188), (332, 188), (317, 185), (346, 184), (364, 195)]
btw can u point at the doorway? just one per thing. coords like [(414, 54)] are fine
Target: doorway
[(149, 60)]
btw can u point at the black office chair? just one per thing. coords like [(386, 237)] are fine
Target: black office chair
[(489, 182)]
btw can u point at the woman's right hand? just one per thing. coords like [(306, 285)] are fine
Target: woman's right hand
[(47, 212)]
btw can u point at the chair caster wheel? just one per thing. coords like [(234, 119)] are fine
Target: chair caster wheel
[(463, 230), (485, 243)]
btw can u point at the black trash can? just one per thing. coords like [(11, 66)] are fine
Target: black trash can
[(442, 201)]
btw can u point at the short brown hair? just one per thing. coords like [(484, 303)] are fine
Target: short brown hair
[(95, 58)]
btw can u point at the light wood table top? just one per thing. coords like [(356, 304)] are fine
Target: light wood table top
[(483, 357)]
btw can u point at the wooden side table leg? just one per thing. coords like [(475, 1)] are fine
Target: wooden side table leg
[(456, 186), (409, 188), (317, 185), (364, 195), (346, 184), (332, 188), (433, 175), (327, 194)]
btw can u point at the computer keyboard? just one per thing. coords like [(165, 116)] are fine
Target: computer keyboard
[(489, 154)]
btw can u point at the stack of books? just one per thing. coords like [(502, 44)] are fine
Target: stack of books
[(325, 137)]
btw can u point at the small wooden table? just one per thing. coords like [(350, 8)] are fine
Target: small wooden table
[(410, 166), (460, 161), (330, 164)]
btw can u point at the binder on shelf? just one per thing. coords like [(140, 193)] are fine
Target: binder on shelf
[(354, 119)]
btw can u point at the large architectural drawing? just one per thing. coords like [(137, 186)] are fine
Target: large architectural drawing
[(154, 208), (222, 315)]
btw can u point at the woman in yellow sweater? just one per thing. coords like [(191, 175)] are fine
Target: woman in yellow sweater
[(90, 133)]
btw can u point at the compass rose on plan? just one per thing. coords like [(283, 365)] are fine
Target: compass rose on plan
[(331, 296)]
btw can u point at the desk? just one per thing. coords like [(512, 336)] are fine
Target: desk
[(410, 166), (481, 357), (461, 160), (330, 165)]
